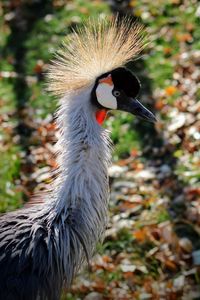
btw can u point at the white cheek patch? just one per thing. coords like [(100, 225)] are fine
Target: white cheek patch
[(105, 96)]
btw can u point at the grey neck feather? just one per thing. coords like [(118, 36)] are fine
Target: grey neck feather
[(80, 193), (84, 154)]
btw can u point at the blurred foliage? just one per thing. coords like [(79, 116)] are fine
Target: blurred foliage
[(152, 244)]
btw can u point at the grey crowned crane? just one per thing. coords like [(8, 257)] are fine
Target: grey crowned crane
[(42, 247)]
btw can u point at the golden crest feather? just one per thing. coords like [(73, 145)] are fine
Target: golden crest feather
[(99, 46)]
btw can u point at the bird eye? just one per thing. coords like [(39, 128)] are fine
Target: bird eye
[(116, 93)]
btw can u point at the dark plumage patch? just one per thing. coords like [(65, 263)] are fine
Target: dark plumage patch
[(36, 257), (126, 81), (24, 270)]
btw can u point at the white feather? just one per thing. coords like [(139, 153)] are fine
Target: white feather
[(105, 96)]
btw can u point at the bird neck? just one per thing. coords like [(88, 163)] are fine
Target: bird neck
[(76, 212), (84, 151)]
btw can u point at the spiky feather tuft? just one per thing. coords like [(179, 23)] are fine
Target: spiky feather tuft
[(99, 46)]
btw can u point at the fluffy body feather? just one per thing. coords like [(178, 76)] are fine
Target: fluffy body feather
[(96, 48)]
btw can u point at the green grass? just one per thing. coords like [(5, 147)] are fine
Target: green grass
[(10, 197)]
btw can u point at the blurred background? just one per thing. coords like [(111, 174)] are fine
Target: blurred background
[(152, 245)]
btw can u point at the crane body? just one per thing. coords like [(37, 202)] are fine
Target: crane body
[(43, 247), (57, 238)]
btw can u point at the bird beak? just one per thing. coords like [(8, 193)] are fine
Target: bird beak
[(136, 108), (139, 110)]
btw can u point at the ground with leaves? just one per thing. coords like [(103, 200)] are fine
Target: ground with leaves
[(152, 245)]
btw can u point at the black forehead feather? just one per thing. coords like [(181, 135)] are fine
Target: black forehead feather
[(124, 80)]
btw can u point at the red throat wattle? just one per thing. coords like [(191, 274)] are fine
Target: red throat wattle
[(101, 115)]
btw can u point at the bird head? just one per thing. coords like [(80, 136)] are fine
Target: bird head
[(94, 57), (118, 90)]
